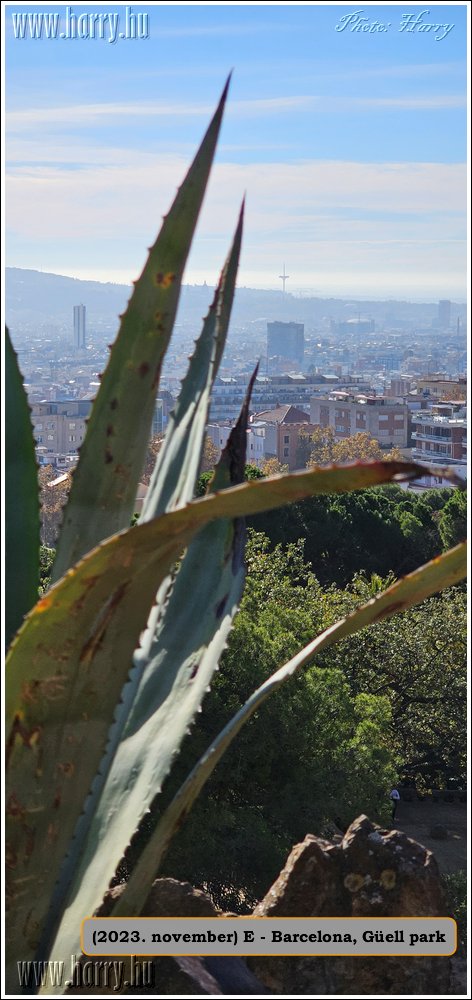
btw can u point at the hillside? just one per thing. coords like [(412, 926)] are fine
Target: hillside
[(35, 299)]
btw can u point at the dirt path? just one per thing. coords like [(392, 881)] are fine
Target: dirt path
[(416, 820)]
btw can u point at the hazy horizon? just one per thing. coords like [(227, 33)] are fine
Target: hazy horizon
[(294, 292)]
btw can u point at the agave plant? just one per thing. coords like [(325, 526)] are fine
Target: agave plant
[(107, 670)]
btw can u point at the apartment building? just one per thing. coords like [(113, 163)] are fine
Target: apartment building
[(440, 435), (274, 434), (219, 434), (286, 341), (347, 414), (271, 391), (441, 387), (59, 427)]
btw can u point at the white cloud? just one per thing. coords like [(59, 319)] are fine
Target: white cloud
[(325, 218), (91, 115)]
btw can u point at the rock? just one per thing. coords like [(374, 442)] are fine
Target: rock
[(438, 832), (372, 873)]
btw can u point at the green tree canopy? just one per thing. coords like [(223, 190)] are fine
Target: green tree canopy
[(452, 520)]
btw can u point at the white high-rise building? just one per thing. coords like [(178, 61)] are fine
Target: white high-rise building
[(79, 327)]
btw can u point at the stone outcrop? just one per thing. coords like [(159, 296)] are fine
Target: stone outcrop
[(371, 873)]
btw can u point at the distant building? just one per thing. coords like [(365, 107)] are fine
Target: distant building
[(287, 341), (444, 314), (59, 427), (164, 405), (349, 413), (440, 435), (271, 391), (219, 434), (441, 387), (79, 327), (349, 326), (398, 387), (275, 433)]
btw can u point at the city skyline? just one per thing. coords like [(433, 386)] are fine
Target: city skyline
[(350, 144)]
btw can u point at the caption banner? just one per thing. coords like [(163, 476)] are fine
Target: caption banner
[(269, 936)]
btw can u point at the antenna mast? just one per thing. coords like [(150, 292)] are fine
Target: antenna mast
[(283, 277)]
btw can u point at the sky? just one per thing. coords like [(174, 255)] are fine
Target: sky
[(345, 127)]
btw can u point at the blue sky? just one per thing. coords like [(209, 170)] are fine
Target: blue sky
[(350, 144)]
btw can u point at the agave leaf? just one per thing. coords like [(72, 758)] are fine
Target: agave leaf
[(166, 655), (21, 500), (442, 572), (178, 462), (64, 679), (111, 459), (176, 665)]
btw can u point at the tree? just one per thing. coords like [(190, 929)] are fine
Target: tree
[(205, 478), (304, 448), (322, 441), (364, 530), (360, 446), (46, 559), (452, 520), (363, 446), (272, 466), (418, 660)]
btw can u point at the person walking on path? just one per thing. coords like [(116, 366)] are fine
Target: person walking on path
[(395, 798)]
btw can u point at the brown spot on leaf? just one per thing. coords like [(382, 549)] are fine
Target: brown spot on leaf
[(52, 833), (14, 807), (57, 799), (113, 404), (143, 369), (108, 457), (89, 583), (165, 280), (29, 691), (121, 470), (95, 640), (27, 737), (29, 845), (11, 857), (110, 430), (67, 768), (52, 687)]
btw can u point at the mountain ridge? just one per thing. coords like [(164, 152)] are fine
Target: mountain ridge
[(35, 298)]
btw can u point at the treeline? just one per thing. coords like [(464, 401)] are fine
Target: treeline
[(379, 530)]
